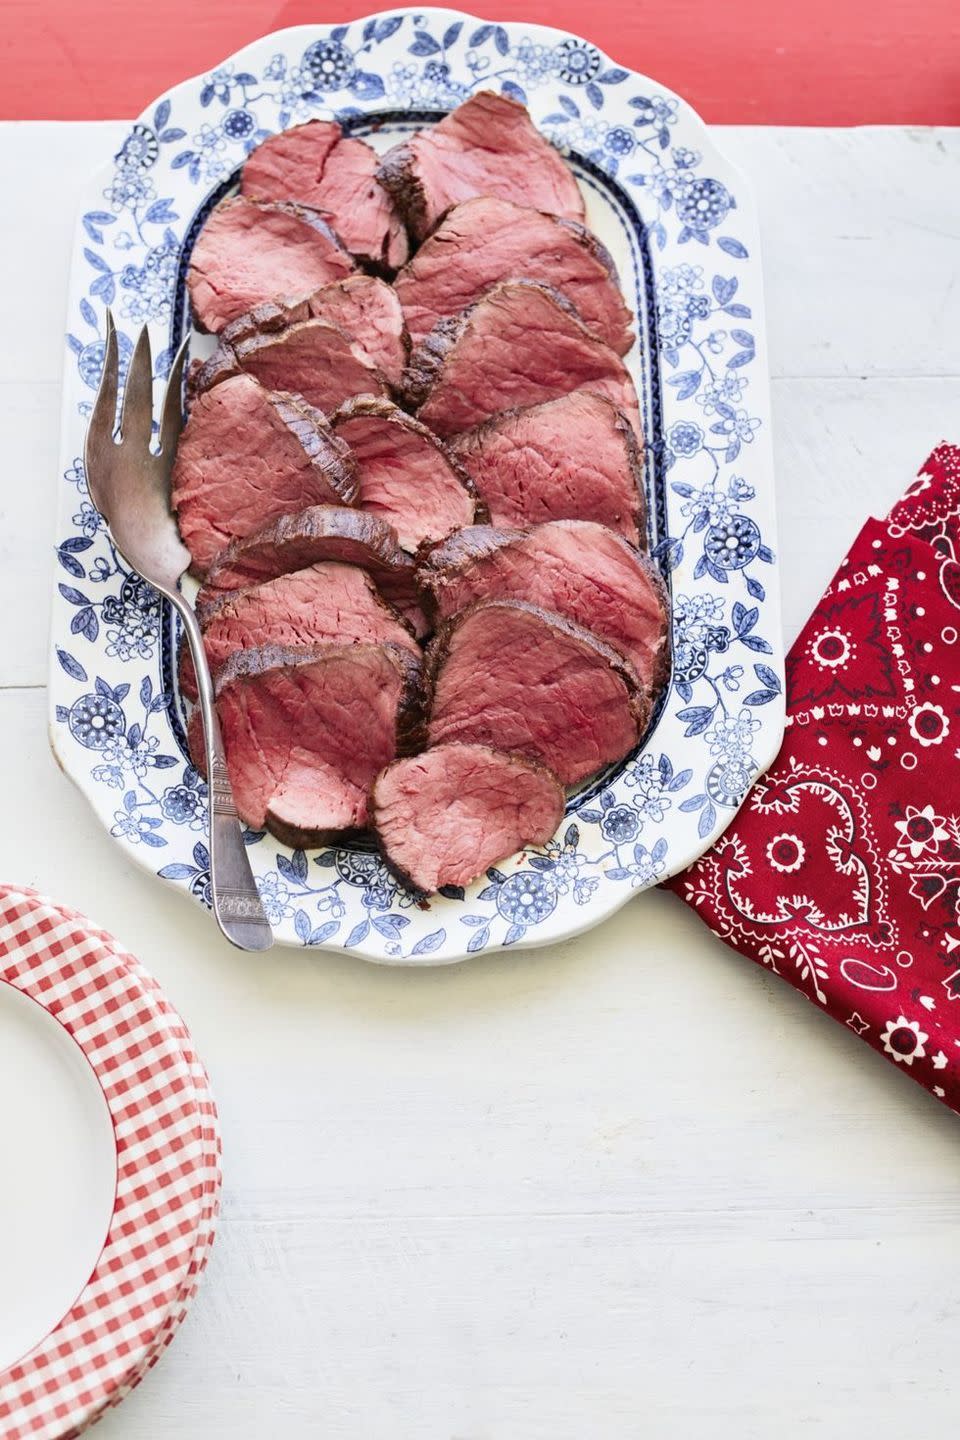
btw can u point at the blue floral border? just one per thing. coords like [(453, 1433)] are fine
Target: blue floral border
[(115, 720)]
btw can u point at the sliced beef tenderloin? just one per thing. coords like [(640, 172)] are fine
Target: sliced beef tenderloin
[(368, 312), (405, 474), (487, 146), (361, 210), (248, 455), (574, 567), (573, 458), (328, 603), (321, 533), (248, 252), (365, 309), (306, 732), (520, 344), (315, 165), (310, 358), (509, 674), (484, 241), (290, 161), (444, 816)]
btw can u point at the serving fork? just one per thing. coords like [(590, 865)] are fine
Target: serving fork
[(130, 485)]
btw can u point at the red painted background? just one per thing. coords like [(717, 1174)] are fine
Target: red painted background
[(795, 62)]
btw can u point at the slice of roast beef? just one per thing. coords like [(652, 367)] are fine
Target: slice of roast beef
[(573, 458), (487, 146), (444, 816), (364, 308), (368, 312), (404, 472), (328, 603), (248, 252), (574, 567), (248, 455), (509, 674), (315, 165), (484, 241), (520, 344), (306, 732), (324, 532), (310, 358)]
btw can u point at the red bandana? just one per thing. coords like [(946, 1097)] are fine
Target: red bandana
[(842, 871)]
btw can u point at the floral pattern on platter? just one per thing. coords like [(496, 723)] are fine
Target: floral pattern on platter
[(115, 714)]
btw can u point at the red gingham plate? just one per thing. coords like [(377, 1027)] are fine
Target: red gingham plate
[(205, 1235), (168, 1329), (167, 1168), (212, 1185)]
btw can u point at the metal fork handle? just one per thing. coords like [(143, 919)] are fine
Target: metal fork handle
[(236, 901)]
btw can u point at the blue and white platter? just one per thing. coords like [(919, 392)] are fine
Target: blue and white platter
[(680, 224)]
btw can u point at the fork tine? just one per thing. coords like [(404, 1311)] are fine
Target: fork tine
[(171, 420), (103, 417), (136, 421)]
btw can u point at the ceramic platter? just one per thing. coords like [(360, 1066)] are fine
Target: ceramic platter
[(680, 224)]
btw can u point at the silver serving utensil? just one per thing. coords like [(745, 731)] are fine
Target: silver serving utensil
[(130, 486)]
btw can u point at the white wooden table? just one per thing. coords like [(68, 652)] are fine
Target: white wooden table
[(631, 1186)]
